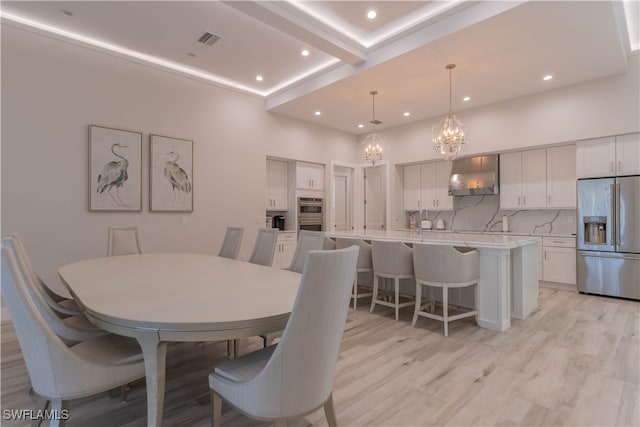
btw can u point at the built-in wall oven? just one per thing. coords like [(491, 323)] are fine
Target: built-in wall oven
[(310, 214)]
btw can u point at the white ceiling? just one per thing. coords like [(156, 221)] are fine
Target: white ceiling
[(501, 49)]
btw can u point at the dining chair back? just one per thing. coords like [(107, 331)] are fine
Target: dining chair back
[(58, 372), (307, 241), (123, 241), (365, 265), (231, 244), (295, 377), (444, 267), (391, 260), (329, 244), (62, 306), (70, 329), (265, 246)]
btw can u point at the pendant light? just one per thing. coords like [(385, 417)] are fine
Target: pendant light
[(373, 150), (450, 138)]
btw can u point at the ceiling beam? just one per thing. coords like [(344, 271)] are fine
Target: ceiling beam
[(300, 27)]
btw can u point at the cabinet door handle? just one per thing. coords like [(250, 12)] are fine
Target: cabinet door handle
[(549, 199), (518, 200), (524, 200), (438, 202), (610, 166), (545, 254), (619, 165)]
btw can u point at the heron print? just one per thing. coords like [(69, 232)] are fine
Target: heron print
[(171, 174), (114, 175)]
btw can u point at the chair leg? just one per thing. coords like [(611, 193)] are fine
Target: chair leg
[(396, 282), (57, 407), (418, 303), (124, 392), (329, 413), (230, 349), (445, 309), (375, 293), (42, 404), (216, 409), (355, 291)]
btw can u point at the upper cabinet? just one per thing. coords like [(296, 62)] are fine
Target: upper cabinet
[(276, 185), (309, 176), (619, 155), (535, 179), (426, 186), (523, 180), (561, 177)]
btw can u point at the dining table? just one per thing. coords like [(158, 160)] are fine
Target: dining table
[(179, 297)]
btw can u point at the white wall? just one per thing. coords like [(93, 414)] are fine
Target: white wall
[(604, 107), (52, 91)]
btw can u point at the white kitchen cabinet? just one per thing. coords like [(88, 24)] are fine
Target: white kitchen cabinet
[(561, 177), (309, 176), (285, 248), (412, 185), (559, 259), (434, 194), (600, 157), (523, 180), (276, 185)]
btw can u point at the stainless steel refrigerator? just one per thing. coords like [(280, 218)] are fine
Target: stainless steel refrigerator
[(608, 255)]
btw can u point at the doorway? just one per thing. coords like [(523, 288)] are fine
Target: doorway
[(342, 203), (375, 196)]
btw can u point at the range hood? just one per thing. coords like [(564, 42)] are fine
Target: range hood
[(472, 176)]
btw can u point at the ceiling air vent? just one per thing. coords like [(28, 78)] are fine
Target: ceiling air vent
[(375, 122), (208, 38)]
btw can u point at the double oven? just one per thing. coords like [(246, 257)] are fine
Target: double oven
[(310, 213)]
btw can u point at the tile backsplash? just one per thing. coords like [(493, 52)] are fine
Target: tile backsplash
[(483, 213)]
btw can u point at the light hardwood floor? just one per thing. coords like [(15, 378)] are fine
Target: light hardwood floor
[(573, 362)]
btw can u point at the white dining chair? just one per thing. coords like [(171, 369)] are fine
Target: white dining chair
[(123, 241), (329, 244), (294, 377), (365, 265), (265, 246), (70, 329), (391, 260), (231, 243), (444, 267), (57, 372), (62, 306)]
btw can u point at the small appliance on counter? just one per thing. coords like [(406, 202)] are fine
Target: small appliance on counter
[(440, 224), (426, 224), (269, 221), (278, 222)]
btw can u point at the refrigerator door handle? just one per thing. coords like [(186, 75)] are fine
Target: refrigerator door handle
[(614, 224), (617, 213), (588, 255)]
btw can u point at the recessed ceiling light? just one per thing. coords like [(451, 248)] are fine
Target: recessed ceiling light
[(406, 114), (371, 14), (317, 113), (360, 125), (466, 98), (547, 77), (259, 78), (305, 52)]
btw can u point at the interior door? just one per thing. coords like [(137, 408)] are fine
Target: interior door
[(341, 219), (375, 197)]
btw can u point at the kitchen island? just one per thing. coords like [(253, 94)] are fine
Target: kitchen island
[(508, 285)]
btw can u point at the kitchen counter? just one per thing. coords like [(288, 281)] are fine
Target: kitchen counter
[(508, 285), (498, 233)]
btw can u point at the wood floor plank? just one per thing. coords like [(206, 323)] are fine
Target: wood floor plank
[(575, 361)]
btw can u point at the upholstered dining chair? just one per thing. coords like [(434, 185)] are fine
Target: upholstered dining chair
[(265, 246), (365, 265), (123, 241), (231, 243), (307, 241), (59, 373), (71, 329), (62, 306), (391, 260), (294, 377), (329, 244), (444, 267)]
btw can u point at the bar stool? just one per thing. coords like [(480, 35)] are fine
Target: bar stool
[(391, 260), (444, 267), (365, 264)]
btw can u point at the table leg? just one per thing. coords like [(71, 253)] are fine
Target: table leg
[(154, 352)]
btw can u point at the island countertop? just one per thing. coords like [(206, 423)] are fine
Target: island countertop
[(473, 240)]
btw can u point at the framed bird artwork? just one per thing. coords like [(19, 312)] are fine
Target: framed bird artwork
[(170, 174), (115, 169)]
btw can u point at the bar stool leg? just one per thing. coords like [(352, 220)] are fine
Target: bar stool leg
[(445, 309), (375, 292), (396, 282), (418, 303), (355, 291)]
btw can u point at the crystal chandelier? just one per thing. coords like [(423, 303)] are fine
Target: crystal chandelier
[(373, 150), (450, 138)]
